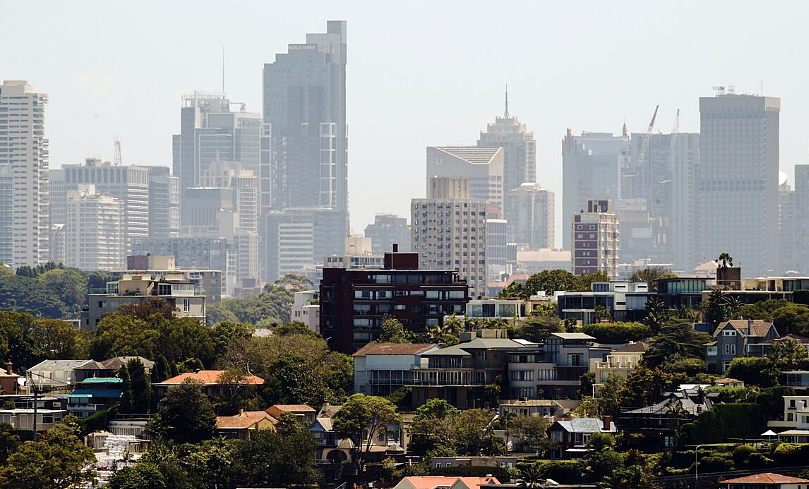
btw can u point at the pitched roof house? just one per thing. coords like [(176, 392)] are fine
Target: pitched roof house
[(244, 424), (211, 381), (765, 480), (444, 482), (738, 338), (572, 435)]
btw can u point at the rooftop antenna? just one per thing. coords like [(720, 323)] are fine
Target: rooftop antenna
[(223, 68), (117, 160), (506, 113)]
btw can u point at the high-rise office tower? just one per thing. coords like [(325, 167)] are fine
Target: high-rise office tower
[(787, 227), (210, 131), (94, 230), (532, 220), (387, 230), (595, 237), (129, 184), (164, 203), (483, 167), (801, 232), (591, 169), (737, 180), (665, 181), (305, 104), (496, 250), (449, 231), (519, 153), (6, 208), (24, 152)]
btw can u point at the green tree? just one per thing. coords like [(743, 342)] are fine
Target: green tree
[(364, 414), (547, 281), (758, 371), (128, 396), (430, 428), (716, 309), (186, 415), (141, 386), (394, 332), (656, 314), (724, 260), (614, 333), (530, 432), (471, 429), (141, 476), (651, 275), (538, 327), (60, 460), (676, 338), (792, 318), (9, 440)]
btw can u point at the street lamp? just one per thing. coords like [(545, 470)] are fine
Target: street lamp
[(696, 466)]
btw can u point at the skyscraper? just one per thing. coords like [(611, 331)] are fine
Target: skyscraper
[(737, 180), (591, 169), (94, 231), (305, 104), (387, 230), (519, 154), (210, 131), (449, 231), (532, 221), (129, 184), (24, 152), (482, 167)]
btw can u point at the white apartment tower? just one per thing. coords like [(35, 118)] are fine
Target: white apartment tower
[(24, 152), (449, 232), (94, 231), (532, 220)]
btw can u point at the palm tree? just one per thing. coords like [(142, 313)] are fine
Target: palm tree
[(725, 260), (531, 476)]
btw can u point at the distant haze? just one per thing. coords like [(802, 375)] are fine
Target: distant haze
[(419, 73)]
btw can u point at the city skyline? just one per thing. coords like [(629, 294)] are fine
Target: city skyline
[(91, 97)]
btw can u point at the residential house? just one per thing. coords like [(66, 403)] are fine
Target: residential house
[(381, 368), (243, 425), (537, 407), (552, 369), (765, 481), (659, 424), (62, 374), (728, 382), (459, 374), (303, 413), (738, 338), (113, 365), (444, 482), (797, 379), (8, 380), (93, 395), (618, 362), (571, 435), (794, 423), (50, 412), (622, 300), (214, 383)]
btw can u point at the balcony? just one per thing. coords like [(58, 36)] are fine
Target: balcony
[(448, 377)]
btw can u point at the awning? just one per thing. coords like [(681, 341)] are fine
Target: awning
[(769, 433)]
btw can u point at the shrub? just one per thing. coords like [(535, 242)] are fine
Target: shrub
[(740, 455), (758, 461), (617, 332), (713, 463), (501, 473), (562, 471)]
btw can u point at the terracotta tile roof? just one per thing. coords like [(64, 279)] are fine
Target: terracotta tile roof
[(726, 380), (392, 349), (433, 481), (765, 478), (209, 377), (293, 408), (242, 420)]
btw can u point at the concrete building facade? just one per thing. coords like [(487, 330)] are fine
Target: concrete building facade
[(595, 238), (24, 154), (387, 230), (94, 231)]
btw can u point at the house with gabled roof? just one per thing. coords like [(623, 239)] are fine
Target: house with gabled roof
[(444, 482), (381, 368), (766, 480), (59, 374), (214, 382), (571, 435), (738, 338), (244, 424)]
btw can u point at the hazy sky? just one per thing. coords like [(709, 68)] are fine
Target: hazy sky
[(419, 73)]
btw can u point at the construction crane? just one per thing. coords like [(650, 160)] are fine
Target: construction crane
[(675, 132), (117, 160), (646, 139)]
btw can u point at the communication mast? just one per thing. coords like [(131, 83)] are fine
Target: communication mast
[(117, 160)]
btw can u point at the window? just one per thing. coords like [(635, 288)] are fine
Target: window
[(712, 351), (186, 305), (729, 332), (730, 349)]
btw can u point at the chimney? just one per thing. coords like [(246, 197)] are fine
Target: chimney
[(8, 367), (395, 247), (749, 328), (607, 422)]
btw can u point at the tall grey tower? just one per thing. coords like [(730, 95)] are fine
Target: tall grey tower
[(519, 156), (305, 103), (23, 175), (737, 180)]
